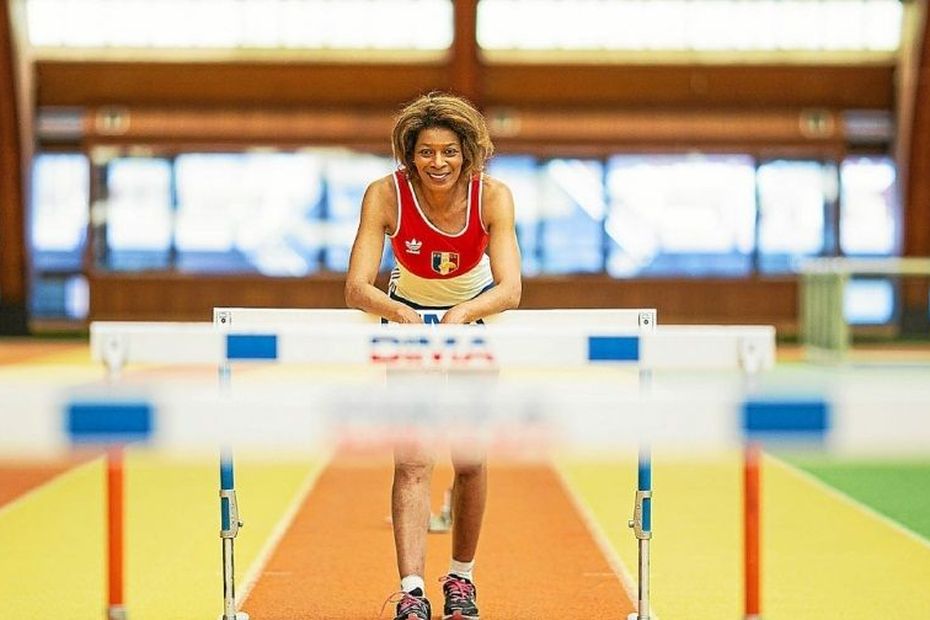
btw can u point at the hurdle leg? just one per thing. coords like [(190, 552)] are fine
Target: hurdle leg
[(751, 531), (116, 609), (230, 524), (642, 528)]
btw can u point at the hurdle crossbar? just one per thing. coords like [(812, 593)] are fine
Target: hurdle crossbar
[(275, 317), (453, 346), (683, 416)]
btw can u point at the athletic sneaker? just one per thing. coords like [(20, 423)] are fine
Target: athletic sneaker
[(413, 606), (460, 596)]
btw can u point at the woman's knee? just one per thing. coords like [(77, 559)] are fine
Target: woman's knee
[(469, 468), (414, 471)]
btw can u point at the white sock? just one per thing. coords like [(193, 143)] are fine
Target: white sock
[(412, 582), (462, 569)]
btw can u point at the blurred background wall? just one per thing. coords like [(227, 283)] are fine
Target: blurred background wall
[(160, 157)]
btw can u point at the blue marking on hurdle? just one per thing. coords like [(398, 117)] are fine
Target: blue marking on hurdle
[(227, 483), (803, 418), (644, 478), (613, 348), (109, 422), (251, 347)]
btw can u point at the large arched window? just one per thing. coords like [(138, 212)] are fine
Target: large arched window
[(690, 26), (242, 24)]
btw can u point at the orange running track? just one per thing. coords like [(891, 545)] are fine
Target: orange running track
[(537, 558)]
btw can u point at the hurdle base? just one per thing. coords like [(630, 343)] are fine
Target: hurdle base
[(116, 612), (635, 616), (241, 615)]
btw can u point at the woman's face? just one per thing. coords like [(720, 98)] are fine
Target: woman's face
[(437, 155)]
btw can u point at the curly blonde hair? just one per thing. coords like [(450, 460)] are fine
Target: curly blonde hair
[(438, 109)]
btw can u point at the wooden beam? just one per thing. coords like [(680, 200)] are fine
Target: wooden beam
[(13, 162), (238, 127), (561, 131), (234, 84), (914, 160), (465, 67), (703, 86), (373, 85)]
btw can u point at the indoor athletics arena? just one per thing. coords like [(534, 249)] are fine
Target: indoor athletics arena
[(664, 354)]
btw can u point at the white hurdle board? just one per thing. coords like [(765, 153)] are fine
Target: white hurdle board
[(749, 348), (240, 318)]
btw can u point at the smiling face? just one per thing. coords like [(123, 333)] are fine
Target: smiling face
[(437, 155)]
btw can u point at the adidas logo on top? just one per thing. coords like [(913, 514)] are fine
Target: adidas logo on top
[(413, 246)]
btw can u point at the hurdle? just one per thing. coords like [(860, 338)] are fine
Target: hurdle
[(747, 357), (748, 348), (642, 319)]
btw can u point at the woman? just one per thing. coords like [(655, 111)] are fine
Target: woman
[(452, 232)]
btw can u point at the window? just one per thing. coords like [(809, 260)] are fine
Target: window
[(241, 24), (869, 301), (519, 173), (60, 198), (140, 222), (793, 196), (680, 215), (571, 204), (57, 235), (691, 25), (249, 211), (346, 176), (559, 210), (869, 214), (296, 213)]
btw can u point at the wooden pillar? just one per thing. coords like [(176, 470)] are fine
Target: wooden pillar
[(913, 156), (464, 66), (15, 153)]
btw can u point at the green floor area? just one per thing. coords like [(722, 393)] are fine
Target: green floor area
[(899, 490)]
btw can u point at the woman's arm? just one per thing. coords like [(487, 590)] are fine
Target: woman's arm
[(504, 252), (374, 222)]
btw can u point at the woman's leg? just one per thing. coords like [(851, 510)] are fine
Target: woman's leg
[(410, 507)]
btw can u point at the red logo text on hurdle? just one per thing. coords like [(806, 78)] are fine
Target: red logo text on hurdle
[(431, 352)]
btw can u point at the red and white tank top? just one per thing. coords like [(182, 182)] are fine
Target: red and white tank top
[(434, 267)]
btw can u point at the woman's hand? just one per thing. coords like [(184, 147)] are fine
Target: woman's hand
[(456, 315), (406, 314)]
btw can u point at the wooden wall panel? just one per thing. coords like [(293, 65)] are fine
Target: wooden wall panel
[(191, 298), (233, 84), (525, 85), (752, 86)]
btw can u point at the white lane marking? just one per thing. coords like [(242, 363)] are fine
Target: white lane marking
[(256, 569), (603, 542)]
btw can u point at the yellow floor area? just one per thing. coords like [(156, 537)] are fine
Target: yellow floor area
[(823, 556), (53, 539)]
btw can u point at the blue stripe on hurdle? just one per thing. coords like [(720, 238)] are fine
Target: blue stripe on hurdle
[(613, 348), (109, 422), (644, 479), (801, 418), (226, 484), (251, 347)]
